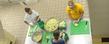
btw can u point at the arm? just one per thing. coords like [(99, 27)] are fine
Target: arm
[(81, 13), (68, 12), (37, 18), (31, 24), (26, 22), (36, 14)]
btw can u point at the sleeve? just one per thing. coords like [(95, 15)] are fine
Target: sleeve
[(67, 9), (35, 13), (25, 17), (81, 8)]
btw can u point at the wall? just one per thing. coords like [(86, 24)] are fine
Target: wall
[(99, 13)]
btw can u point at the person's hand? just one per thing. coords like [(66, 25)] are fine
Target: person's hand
[(76, 22), (31, 24)]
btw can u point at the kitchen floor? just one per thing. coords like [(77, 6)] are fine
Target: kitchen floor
[(12, 15)]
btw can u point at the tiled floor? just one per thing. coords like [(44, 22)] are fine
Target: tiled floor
[(11, 15)]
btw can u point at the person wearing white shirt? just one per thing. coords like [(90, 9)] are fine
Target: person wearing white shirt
[(32, 19)]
